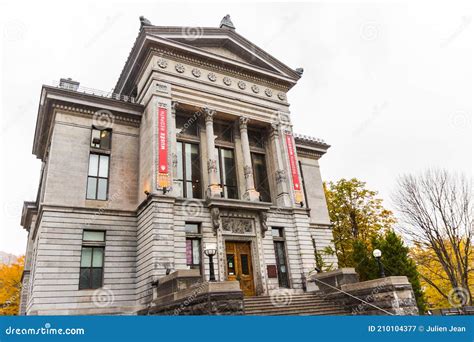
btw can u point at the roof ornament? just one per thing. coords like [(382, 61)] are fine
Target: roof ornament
[(299, 71), (144, 21), (227, 23)]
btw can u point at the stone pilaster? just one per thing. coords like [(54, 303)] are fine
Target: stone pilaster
[(250, 193), (214, 189), (173, 148), (281, 176)]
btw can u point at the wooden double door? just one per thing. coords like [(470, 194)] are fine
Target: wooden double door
[(239, 265)]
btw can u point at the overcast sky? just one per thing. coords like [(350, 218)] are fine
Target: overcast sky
[(388, 85)]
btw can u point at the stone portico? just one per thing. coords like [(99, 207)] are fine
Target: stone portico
[(195, 146)]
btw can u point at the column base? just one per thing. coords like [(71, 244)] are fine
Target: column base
[(252, 195), (284, 200), (214, 191)]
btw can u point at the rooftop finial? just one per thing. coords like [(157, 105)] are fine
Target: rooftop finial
[(227, 23), (299, 71), (144, 21)]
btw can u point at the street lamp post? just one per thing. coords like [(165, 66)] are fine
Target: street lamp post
[(377, 253), (210, 250)]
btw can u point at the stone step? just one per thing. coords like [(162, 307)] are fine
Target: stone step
[(298, 305)]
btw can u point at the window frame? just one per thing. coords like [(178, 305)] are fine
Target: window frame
[(219, 149), (98, 177), (268, 190), (195, 236), (99, 245), (100, 131), (183, 162)]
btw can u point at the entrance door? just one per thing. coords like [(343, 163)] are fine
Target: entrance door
[(239, 265)]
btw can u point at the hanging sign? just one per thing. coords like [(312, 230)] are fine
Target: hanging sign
[(163, 175), (294, 168)]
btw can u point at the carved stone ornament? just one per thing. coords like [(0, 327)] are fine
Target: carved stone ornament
[(196, 72), (280, 176), (208, 114), (227, 81), (216, 218), (243, 121), (255, 89), (174, 159), (180, 68), (211, 165), (162, 63), (247, 171), (263, 222), (212, 77), (268, 92), (281, 96), (237, 225), (242, 85)]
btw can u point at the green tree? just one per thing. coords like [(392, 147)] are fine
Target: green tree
[(356, 214), (395, 260)]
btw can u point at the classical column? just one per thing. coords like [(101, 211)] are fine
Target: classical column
[(281, 176), (250, 193), (214, 189)]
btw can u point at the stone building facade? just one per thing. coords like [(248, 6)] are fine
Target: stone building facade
[(193, 149)]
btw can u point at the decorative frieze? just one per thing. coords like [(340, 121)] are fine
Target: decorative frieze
[(180, 68), (237, 225), (162, 63), (196, 72), (212, 77)]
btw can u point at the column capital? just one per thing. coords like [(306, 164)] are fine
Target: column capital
[(274, 129), (243, 121), (208, 114), (174, 106)]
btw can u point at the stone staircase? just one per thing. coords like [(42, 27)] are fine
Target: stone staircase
[(292, 305)]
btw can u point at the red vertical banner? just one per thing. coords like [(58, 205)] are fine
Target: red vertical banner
[(294, 168), (163, 176)]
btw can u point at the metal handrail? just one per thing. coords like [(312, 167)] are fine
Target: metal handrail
[(97, 92), (357, 298)]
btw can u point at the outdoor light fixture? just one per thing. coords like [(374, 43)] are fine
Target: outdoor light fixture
[(377, 253), (210, 250)]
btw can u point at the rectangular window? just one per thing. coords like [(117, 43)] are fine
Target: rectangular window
[(98, 177), (189, 170), (92, 260), (224, 131), (101, 138), (260, 176), (256, 138), (193, 245), (187, 125), (226, 172)]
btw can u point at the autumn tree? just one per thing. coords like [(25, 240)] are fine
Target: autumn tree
[(356, 214), (10, 287), (437, 209), (395, 259)]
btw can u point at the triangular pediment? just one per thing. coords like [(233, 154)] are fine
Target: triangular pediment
[(224, 43)]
